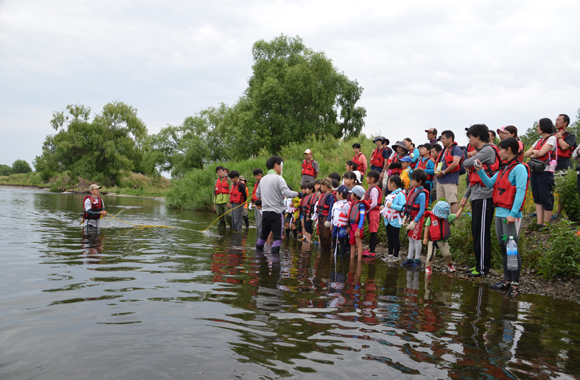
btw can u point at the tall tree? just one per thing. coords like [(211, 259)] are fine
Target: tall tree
[(104, 149), (294, 92)]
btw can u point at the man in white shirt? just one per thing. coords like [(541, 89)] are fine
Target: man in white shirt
[(93, 207)]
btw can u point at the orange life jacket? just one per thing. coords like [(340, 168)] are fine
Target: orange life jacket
[(236, 194), (308, 168), (377, 158), (254, 197), (565, 153), (359, 163), (490, 169), (447, 155), (96, 205), (222, 187), (504, 192)]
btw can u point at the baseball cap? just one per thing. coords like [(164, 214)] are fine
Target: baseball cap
[(342, 189), (307, 151), (94, 186), (358, 190), (406, 159), (432, 130), (242, 178), (378, 138), (500, 129), (326, 182)]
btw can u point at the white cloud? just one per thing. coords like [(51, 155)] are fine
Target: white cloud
[(446, 64)]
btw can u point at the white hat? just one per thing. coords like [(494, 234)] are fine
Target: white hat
[(307, 151), (358, 190), (94, 186)]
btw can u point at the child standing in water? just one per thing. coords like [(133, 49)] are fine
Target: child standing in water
[(393, 213), (356, 219), (374, 197), (417, 202), (340, 220)]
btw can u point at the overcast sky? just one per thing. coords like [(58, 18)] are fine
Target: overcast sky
[(443, 64)]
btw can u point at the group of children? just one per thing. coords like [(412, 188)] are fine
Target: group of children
[(338, 211)]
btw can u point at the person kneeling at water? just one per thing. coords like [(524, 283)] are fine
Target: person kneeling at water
[(272, 190), (93, 207)]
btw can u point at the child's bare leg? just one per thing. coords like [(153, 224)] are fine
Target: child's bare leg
[(359, 246)]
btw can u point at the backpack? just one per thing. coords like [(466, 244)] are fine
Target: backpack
[(462, 170)]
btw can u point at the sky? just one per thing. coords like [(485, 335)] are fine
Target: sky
[(442, 64)]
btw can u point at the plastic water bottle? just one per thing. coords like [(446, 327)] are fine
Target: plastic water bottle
[(512, 254)]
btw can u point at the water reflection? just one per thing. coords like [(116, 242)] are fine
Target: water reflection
[(178, 303)]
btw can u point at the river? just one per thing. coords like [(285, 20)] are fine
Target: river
[(159, 303)]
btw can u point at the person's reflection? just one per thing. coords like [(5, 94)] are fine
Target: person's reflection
[(369, 303), (267, 297), (92, 243), (352, 289)]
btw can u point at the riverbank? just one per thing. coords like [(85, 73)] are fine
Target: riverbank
[(137, 185)]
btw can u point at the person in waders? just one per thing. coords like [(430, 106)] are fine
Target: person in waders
[(93, 208), (272, 190)]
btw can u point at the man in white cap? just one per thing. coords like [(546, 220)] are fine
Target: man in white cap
[(309, 168), (93, 207)]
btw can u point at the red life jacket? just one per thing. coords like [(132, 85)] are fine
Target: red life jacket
[(397, 171), (354, 211), (222, 187), (236, 194), (96, 205), (315, 197), (490, 169), (447, 155), (411, 208), (540, 145), (504, 192), (323, 208), (377, 158), (304, 204), (254, 197), (439, 228), (367, 196), (565, 153), (308, 169), (422, 164), (359, 163)]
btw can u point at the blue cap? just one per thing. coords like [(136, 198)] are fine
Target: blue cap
[(342, 189), (406, 159)]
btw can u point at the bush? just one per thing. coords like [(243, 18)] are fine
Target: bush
[(567, 190), (5, 170), (21, 166), (195, 190), (561, 258)]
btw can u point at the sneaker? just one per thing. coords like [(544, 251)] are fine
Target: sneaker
[(416, 263), (474, 273), (407, 263), (365, 252), (428, 270), (368, 253), (471, 269), (389, 258), (504, 285), (451, 268), (396, 259), (514, 291), (543, 228), (556, 216), (533, 215)]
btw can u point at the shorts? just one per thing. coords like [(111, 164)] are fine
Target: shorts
[(374, 218), (289, 218), (360, 232), (543, 189), (447, 191), (308, 226)]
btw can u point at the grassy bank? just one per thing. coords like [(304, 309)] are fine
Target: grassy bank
[(135, 184)]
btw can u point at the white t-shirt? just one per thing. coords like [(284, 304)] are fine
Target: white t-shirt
[(554, 143), (92, 222)]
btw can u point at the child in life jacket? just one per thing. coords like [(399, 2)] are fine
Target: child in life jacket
[(437, 232), (417, 202), (356, 218), (238, 195), (289, 221), (339, 221), (305, 214), (393, 211), (324, 211), (406, 172), (373, 196)]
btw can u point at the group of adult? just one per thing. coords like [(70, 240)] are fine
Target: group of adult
[(551, 155)]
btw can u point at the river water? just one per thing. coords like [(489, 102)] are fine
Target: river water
[(158, 303)]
